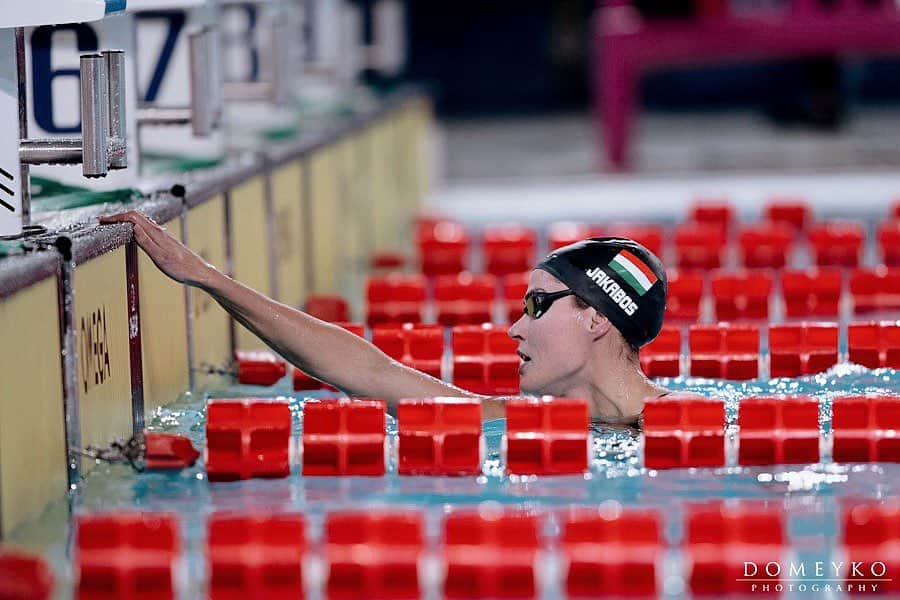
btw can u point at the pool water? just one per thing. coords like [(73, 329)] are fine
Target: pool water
[(810, 493)]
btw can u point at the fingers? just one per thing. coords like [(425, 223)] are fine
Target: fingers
[(145, 228), (129, 216)]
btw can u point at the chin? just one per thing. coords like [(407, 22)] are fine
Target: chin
[(527, 387)]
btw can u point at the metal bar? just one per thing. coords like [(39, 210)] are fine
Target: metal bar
[(50, 152), (69, 362), (239, 91), (115, 74), (94, 119), (306, 237), (280, 40), (159, 115), (229, 266), (116, 151), (271, 241), (188, 315), (24, 170), (134, 337), (204, 108)]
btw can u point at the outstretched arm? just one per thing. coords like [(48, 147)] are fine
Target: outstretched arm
[(321, 349)]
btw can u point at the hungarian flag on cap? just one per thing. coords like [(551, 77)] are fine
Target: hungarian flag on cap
[(633, 271)]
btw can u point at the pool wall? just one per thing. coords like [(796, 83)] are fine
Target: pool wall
[(101, 338)]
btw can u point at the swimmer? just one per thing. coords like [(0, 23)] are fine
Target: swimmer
[(588, 310)]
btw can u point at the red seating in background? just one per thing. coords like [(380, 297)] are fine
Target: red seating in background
[(343, 437), (874, 345), (485, 359), (797, 349), (373, 554), (648, 235), (247, 438), (864, 429), (327, 307), (259, 367), (777, 431), (889, 243), (514, 288), (611, 551), (811, 292), (508, 249), (662, 356), (685, 291), (724, 350), (837, 243), (741, 295), (699, 246), (563, 233), (302, 381), (721, 539), (126, 555), (766, 245), (439, 436), (547, 436), (684, 431), (793, 212), (871, 545), (627, 45), (712, 211), (24, 576), (255, 555), (464, 298), (875, 289), (395, 298), (413, 344), (443, 248), (491, 553)]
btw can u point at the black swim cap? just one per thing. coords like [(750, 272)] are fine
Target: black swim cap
[(620, 278)]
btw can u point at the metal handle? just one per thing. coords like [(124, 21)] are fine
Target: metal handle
[(281, 61), (102, 145), (276, 50), (205, 81), (94, 120), (115, 73)]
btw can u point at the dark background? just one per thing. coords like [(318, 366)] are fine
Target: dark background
[(484, 57)]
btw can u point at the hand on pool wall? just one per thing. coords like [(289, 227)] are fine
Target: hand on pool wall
[(323, 350), (168, 253)]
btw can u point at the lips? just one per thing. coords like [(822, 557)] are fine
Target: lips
[(524, 358)]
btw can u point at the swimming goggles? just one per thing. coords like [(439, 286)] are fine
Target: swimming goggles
[(538, 303)]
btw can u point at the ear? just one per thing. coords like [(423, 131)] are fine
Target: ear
[(599, 324)]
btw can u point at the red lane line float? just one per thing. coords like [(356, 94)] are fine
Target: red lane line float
[(439, 436), (344, 437), (547, 436), (247, 438), (684, 431), (778, 431)]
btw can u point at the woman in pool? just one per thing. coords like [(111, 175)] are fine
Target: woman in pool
[(589, 308)]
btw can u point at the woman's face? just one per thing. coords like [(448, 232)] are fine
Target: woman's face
[(553, 349)]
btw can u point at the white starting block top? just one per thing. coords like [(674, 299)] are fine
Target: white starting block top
[(57, 12)]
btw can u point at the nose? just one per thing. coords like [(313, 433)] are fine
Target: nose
[(516, 329)]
